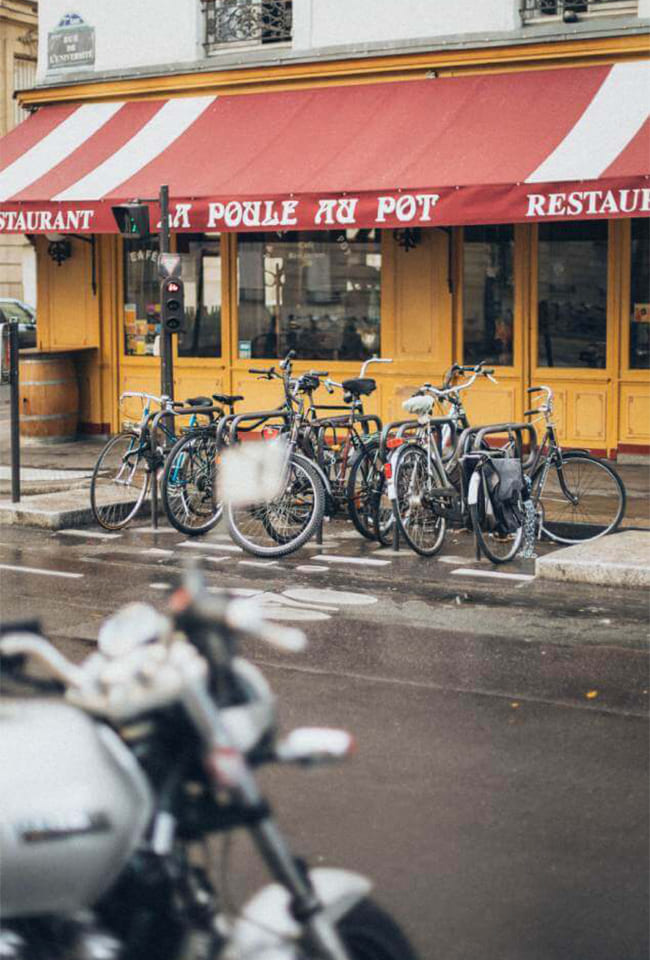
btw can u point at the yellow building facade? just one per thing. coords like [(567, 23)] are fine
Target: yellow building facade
[(454, 293)]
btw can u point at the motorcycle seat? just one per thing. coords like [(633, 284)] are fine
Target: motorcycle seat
[(360, 386)]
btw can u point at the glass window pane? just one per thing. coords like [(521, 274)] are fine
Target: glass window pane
[(572, 295), (316, 293), (640, 296), (202, 281), (141, 297), (488, 294)]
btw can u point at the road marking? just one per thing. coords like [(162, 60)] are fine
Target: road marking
[(313, 595), (283, 613), (455, 560), (45, 573), (326, 544), (160, 586), (211, 546), (282, 600), (258, 563), (216, 559), (89, 533), (157, 552), (307, 568), (493, 573), (156, 530), (360, 561)]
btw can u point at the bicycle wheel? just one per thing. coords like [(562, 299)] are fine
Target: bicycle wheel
[(119, 482), (361, 488), (422, 528), (188, 484), (278, 527), (590, 503), (497, 547), (383, 518)]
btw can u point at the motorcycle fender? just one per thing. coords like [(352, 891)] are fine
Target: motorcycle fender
[(302, 459), (266, 928)]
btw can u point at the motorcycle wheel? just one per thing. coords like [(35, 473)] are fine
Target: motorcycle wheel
[(369, 933)]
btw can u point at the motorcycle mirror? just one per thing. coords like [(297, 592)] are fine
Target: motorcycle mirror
[(131, 627), (314, 745)]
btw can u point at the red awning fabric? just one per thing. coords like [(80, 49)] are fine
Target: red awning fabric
[(569, 143)]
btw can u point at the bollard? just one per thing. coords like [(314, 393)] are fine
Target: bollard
[(15, 412)]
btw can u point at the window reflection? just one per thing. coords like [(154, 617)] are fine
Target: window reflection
[(488, 294), (141, 297), (316, 293), (572, 294), (640, 296), (202, 281)]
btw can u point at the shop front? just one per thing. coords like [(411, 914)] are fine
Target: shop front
[(471, 218)]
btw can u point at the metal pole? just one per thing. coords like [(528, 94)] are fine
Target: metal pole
[(166, 354), (15, 412)]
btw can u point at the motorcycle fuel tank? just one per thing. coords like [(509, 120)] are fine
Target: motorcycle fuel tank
[(73, 806)]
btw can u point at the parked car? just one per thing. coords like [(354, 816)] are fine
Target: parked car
[(11, 309)]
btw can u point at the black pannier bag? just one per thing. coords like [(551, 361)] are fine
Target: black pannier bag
[(504, 490)]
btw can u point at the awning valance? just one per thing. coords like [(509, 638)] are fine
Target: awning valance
[(570, 143)]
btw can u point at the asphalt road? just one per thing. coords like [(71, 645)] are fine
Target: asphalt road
[(499, 794)]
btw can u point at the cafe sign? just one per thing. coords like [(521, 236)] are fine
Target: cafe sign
[(71, 43)]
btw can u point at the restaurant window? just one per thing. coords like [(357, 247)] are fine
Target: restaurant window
[(316, 293), (572, 295), (488, 294), (640, 296), (202, 280), (141, 297)]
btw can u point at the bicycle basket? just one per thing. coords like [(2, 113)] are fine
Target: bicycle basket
[(503, 481)]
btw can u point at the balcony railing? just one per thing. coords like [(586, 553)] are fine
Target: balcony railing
[(246, 23), (572, 10)]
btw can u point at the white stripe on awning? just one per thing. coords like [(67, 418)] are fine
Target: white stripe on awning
[(614, 116), (156, 135), (55, 146)]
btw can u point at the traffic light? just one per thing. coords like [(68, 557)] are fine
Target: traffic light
[(132, 220), (172, 305)]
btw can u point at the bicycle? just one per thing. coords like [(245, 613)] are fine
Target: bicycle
[(188, 483), (121, 477), (424, 498), (278, 527), (578, 497)]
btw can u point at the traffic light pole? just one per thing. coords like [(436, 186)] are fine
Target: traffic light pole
[(166, 352)]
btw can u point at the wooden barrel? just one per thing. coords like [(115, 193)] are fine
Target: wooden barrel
[(49, 398)]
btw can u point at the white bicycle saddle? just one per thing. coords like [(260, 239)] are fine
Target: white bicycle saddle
[(418, 405)]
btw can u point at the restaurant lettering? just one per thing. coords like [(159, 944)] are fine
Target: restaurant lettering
[(46, 221), (592, 203)]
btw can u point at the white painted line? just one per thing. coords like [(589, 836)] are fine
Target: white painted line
[(216, 559), (258, 563), (493, 573), (282, 613), (271, 599), (157, 552), (160, 586), (88, 533), (321, 546), (171, 530), (45, 573), (313, 595), (455, 560), (307, 568), (211, 546), (360, 561)]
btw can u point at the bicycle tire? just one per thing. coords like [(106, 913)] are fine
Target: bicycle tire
[(556, 520), (108, 514), (413, 515), (302, 472), (497, 548), (189, 499), (383, 516), (360, 503)]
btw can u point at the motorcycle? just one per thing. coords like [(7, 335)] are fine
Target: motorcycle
[(150, 748)]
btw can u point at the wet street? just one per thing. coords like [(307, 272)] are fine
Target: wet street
[(498, 797)]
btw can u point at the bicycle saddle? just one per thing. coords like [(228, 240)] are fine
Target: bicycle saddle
[(226, 398), (418, 405), (360, 386), (199, 402)]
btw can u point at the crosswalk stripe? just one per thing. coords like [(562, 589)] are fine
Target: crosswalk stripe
[(39, 570)]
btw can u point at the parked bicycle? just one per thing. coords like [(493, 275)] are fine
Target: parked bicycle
[(122, 475), (578, 497)]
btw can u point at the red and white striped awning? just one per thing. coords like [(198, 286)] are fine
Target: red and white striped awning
[(569, 143)]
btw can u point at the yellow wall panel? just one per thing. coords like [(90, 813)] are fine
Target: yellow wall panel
[(590, 415), (635, 414)]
